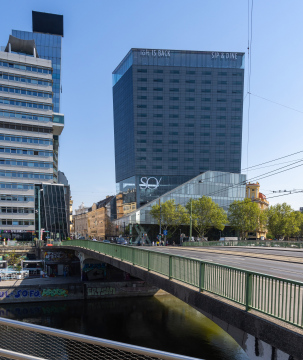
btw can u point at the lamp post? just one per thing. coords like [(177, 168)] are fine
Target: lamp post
[(191, 220)]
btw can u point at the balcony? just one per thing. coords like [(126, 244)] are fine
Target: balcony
[(58, 123)]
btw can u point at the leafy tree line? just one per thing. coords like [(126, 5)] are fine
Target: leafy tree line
[(243, 216)]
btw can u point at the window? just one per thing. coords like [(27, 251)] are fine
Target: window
[(174, 89), (220, 151), (205, 134), (237, 82), (221, 126), (236, 117), (141, 132), (173, 167), (188, 167), (208, 82), (188, 142), (141, 141), (189, 125), (158, 89), (141, 149), (141, 123), (205, 116), (174, 71), (142, 70), (157, 167), (221, 117), (190, 90), (157, 150), (173, 150), (189, 107), (204, 151), (158, 80), (220, 134), (157, 158), (205, 125), (157, 124), (141, 115), (172, 159), (204, 142), (237, 74), (173, 124), (173, 133), (173, 142), (220, 143), (221, 108), (190, 81), (222, 82), (157, 141), (141, 166), (143, 88), (189, 159), (206, 99), (173, 107), (189, 134), (189, 99), (141, 158), (141, 106), (221, 100), (158, 71), (233, 126), (221, 91), (236, 109), (158, 115), (206, 90), (142, 97), (157, 133), (235, 135), (236, 100), (222, 73), (190, 72), (174, 80), (236, 91), (158, 97), (174, 116), (206, 72), (158, 106), (189, 116), (205, 107), (142, 79), (174, 98)]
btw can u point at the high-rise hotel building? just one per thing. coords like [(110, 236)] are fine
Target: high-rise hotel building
[(176, 114), (30, 126)]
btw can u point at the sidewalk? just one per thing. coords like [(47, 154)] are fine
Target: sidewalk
[(41, 281)]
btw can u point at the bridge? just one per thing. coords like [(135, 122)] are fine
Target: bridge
[(253, 307)]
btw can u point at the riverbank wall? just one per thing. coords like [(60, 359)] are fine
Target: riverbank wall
[(73, 291)]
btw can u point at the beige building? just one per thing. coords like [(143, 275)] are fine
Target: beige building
[(253, 193), (80, 222)]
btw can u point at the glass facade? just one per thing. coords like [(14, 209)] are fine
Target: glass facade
[(176, 114), (223, 188), (49, 47), (54, 209)]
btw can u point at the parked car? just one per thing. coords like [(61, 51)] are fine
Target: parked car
[(121, 241)]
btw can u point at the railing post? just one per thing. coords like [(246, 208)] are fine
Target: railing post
[(248, 290), (202, 276), (170, 267), (148, 260), (133, 256)]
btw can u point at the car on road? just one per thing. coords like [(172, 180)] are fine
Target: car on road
[(121, 241)]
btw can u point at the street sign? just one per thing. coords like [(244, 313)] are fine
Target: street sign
[(164, 232)]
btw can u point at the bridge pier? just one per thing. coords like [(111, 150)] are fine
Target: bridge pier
[(275, 340)]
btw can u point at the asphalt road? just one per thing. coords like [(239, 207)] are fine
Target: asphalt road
[(278, 268)]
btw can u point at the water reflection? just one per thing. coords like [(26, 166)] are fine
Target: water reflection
[(160, 322)]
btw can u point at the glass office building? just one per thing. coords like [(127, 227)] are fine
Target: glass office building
[(176, 114), (222, 187)]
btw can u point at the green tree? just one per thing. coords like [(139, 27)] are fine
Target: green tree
[(206, 214), (283, 221), (170, 215), (245, 216)]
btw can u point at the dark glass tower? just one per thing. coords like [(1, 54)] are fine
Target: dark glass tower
[(47, 33), (176, 114)]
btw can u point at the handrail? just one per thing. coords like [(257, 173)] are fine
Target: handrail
[(250, 243), (274, 296), (85, 339)]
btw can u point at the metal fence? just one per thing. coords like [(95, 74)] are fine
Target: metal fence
[(276, 297), (27, 341), (262, 243)]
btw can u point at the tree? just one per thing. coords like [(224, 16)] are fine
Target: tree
[(206, 214), (245, 216), (169, 214), (283, 221)]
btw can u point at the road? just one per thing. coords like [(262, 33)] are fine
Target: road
[(279, 267)]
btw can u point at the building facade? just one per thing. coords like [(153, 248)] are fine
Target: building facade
[(30, 127), (222, 187), (80, 222), (176, 114)]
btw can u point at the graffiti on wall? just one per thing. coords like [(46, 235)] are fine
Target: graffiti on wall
[(25, 293), (95, 291), (54, 292)]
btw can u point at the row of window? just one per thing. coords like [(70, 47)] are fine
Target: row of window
[(25, 104), (16, 210), (26, 92), (25, 175), (25, 67), (207, 82), (170, 167), (192, 142), (29, 152), (21, 198), (37, 164), (191, 72), (19, 115), (185, 151), (190, 125), (16, 186), (187, 98), (143, 132), (33, 128), (6, 76), (16, 222), (25, 139)]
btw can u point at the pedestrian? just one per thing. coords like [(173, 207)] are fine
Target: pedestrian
[(174, 243), (166, 242), (153, 243)]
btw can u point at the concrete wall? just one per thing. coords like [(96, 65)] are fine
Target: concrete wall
[(74, 291), (240, 324)]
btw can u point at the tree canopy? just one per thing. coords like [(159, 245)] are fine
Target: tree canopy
[(245, 216), (206, 214), (170, 214)]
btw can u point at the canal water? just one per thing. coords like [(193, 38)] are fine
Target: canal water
[(159, 322)]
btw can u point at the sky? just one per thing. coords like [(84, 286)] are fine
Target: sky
[(98, 34)]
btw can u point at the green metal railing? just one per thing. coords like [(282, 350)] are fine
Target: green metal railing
[(262, 243), (276, 297)]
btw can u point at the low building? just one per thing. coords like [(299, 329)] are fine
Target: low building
[(80, 222), (253, 193)]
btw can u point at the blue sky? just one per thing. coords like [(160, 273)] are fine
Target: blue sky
[(98, 34)]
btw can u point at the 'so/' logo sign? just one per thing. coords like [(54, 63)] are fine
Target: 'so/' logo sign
[(149, 183)]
